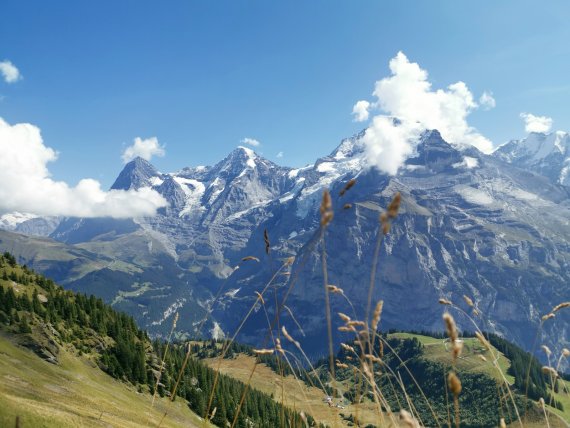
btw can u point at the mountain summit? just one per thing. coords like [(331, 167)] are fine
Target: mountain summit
[(135, 174), (492, 227), (545, 154)]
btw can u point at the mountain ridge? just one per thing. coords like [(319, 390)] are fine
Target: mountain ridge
[(471, 224)]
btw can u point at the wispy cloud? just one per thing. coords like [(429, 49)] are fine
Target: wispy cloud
[(360, 111), (408, 96), (251, 142), (145, 149), (487, 101), (9, 72), (28, 187), (280, 154), (534, 123)]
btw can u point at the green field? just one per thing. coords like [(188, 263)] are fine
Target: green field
[(76, 393)]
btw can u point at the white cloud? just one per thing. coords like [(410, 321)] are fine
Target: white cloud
[(280, 154), (27, 186), (9, 71), (408, 96), (360, 111), (146, 149), (250, 141), (487, 101), (534, 123)]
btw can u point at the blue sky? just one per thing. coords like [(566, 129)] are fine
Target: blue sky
[(202, 75)]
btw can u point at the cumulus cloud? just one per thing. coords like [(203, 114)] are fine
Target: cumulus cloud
[(251, 142), (534, 123), (9, 72), (27, 186), (280, 154), (145, 149), (408, 105), (487, 101), (360, 111)]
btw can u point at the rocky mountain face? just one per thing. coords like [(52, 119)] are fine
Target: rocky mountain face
[(545, 154), (492, 227)]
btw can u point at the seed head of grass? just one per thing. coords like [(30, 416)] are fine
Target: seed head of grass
[(450, 326), (548, 316), (326, 208), (334, 289), (454, 384), (377, 314), (561, 306), (263, 351), (468, 300), (443, 301), (546, 350), (394, 206), (550, 371), (347, 186), (407, 420)]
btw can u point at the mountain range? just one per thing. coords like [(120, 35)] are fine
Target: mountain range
[(492, 227)]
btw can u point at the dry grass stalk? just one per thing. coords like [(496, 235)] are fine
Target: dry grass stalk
[(266, 241), (455, 387), (451, 330), (263, 351), (260, 297), (407, 420), (212, 414), (356, 323), (326, 209), (468, 300), (550, 371), (394, 206), (334, 289), (347, 186), (561, 306), (483, 341), (377, 314), (164, 359), (450, 326), (502, 423)]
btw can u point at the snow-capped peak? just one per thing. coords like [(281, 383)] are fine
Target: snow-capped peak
[(546, 154)]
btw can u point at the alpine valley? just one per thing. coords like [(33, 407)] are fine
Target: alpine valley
[(493, 227)]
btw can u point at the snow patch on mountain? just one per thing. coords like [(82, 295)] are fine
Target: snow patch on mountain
[(194, 190), (12, 220)]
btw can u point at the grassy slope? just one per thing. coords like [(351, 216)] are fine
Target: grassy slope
[(75, 393), (296, 395), (435, 351)]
